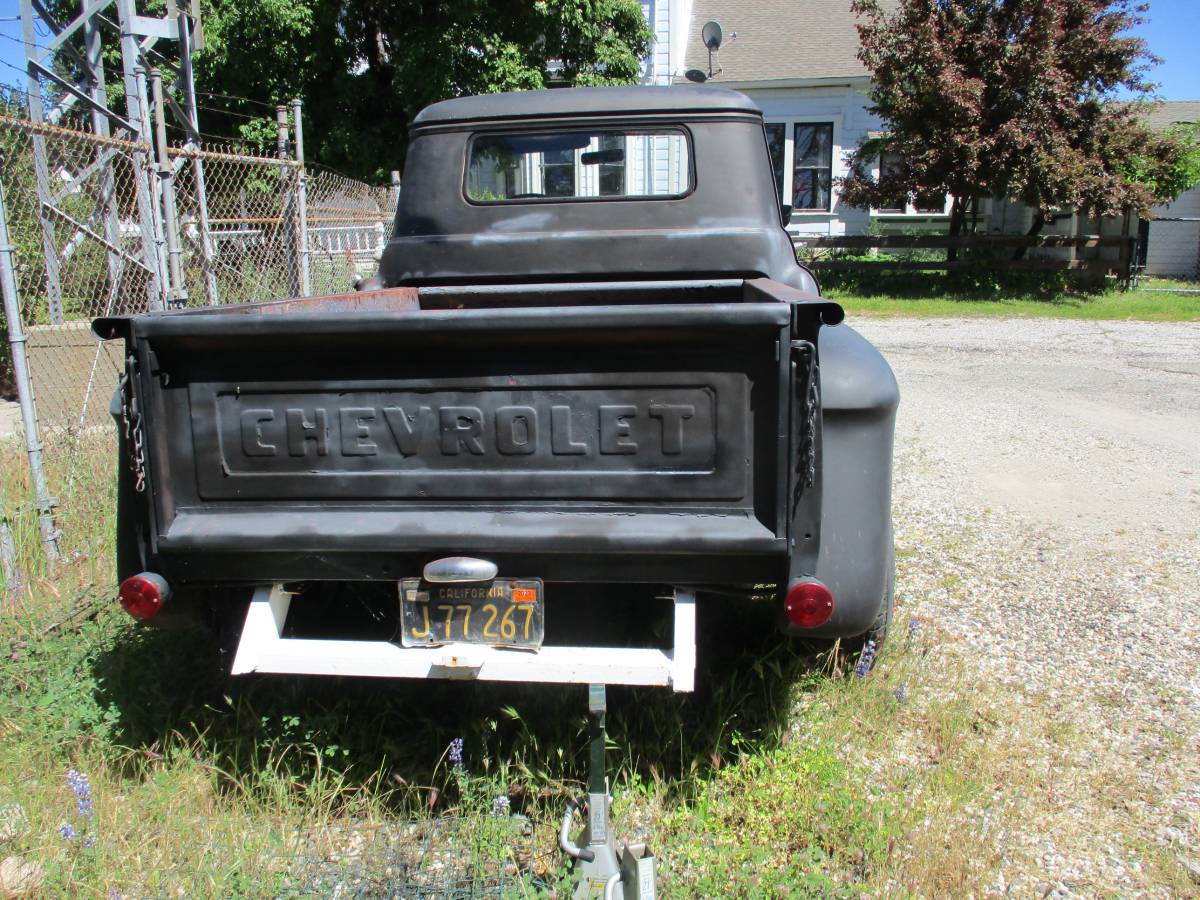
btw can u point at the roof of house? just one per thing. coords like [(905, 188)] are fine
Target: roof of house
[(777, 40), (1173, 112), (630, 99)]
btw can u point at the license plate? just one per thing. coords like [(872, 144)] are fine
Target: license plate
[(506, 612)]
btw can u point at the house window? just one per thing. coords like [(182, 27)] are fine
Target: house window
[(812, 170), (558, 173), (927, 203), (612, 165), (889, 164), (776, 136), (931, 203)]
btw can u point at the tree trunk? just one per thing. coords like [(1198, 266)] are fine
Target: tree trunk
[(958, 218)]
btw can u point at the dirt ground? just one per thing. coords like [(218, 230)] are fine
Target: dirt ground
[(10, 419), (1048, 521), (1092, 425)]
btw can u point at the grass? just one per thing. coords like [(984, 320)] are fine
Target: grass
[(1155, 300), (783, 774)]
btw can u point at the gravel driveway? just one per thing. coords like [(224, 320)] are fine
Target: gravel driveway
[(1048, 526)]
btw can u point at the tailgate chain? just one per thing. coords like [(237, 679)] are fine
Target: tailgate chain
[(131, 422), (806, 458)]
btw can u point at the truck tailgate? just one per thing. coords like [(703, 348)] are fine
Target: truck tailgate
[(355, 444)]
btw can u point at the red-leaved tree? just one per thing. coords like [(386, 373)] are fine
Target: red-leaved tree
[(1011, 99)]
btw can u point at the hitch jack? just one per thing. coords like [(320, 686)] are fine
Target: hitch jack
[(609, 872)]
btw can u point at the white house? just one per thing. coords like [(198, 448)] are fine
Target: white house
[(669, 20), (798, 60)]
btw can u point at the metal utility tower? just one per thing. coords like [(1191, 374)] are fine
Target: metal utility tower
[(138, 35)]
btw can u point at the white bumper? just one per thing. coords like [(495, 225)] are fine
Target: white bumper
[(264, 649)]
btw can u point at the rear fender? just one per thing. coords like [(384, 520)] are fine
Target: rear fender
[(859, 400)]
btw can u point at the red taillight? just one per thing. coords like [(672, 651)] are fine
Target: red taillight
[(808, 604), (143, 595)]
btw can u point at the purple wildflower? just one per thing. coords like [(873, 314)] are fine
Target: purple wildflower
[(901, 692), (500, 806), (67, 830), (78, 783), (914, 625), (82, 789), (89, 842), (866, 659), (113, 894), (456, 753)]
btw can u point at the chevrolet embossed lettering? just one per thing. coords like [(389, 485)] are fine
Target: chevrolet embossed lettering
[(427, 444)]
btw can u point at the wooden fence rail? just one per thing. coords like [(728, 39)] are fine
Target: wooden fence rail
[(814, 252)]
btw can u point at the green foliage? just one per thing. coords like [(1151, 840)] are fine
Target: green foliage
[(259, 136), (8, 384), (364, 69), (1167, 178), (987, 279), (795, 818), (1010, 99)]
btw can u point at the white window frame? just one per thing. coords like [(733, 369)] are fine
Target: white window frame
[(837, 167), (910, 210)]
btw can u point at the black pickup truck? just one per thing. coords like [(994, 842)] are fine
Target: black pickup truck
[(589, 382)]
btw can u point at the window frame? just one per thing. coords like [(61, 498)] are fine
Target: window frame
[(836, 164), (593, 130), (782, 180), (796, 126), (570, 164), (910, 210)]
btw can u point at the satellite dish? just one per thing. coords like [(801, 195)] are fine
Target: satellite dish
[(696, 75), (711, 33)]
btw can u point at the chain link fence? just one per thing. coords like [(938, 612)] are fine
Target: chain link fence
[(97, 226), (77, 254), (242, 236), (347, 224)]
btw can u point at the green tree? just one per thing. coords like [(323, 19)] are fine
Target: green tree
[(1013, 99), (364, 68), (1166, 182)]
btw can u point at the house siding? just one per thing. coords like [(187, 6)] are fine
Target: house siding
[(1173, 248), (658, 14)]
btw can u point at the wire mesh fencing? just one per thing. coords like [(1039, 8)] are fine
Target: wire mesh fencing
[(258, 228), (347, 224), (74, 205), (99, 226), (236, 226)]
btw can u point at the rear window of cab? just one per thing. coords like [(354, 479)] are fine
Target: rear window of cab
[(579, 165)]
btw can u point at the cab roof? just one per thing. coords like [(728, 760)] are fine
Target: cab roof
[(588, 101)]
